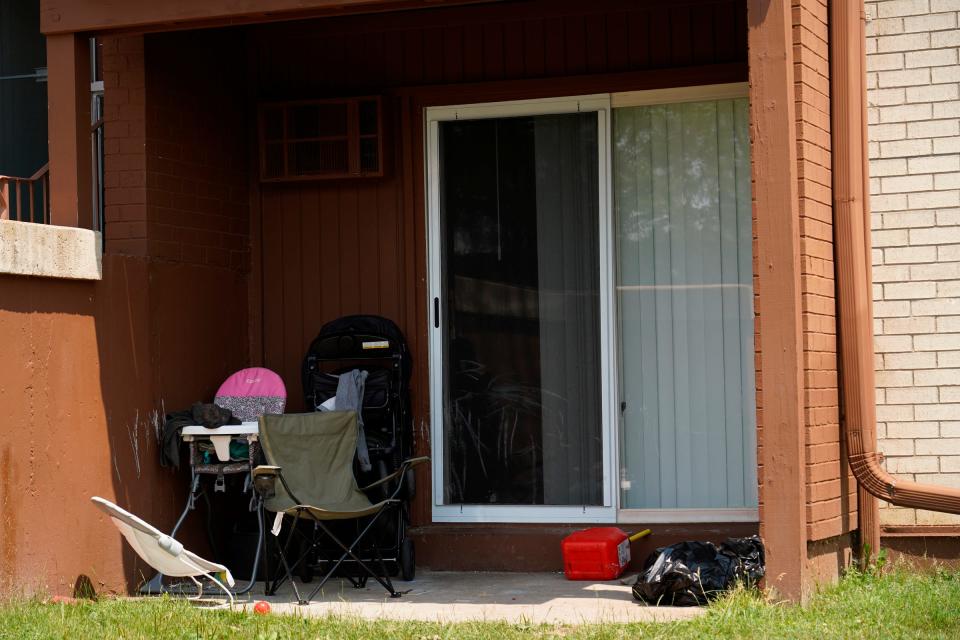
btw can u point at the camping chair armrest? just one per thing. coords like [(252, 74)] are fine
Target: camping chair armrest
[(406, 464), (265, 480), (266, 470)]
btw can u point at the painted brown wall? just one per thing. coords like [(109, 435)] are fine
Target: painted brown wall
[(88, 368)]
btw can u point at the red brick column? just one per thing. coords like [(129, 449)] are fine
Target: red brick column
[(125, 159)]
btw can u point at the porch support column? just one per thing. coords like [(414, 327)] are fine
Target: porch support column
[(781, 437), (68, 123)]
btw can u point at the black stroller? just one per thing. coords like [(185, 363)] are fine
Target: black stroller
[(376, 345)]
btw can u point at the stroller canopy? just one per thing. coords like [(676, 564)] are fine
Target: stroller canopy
[(344, 337)]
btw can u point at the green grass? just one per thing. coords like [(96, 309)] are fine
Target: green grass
[(896, 603)]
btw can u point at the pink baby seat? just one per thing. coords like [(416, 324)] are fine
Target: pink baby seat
[(251, 393), (248, 394)]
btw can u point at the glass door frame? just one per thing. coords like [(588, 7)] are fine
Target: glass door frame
[(608, 343)]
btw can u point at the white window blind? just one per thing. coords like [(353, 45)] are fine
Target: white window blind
[(682, 200)]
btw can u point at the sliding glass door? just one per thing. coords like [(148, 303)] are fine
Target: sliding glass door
[(591, 309), (518, 353)]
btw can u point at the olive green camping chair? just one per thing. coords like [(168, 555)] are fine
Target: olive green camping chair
[(311, 454)]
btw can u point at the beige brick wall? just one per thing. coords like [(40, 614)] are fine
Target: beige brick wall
[(913, 86)]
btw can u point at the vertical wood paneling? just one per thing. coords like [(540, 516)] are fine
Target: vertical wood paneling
[(453, 54), (433, 62), (618, 41), (312, 289), (331, 261), (596, 43), (373, 57), (554, 46), (574, 45), (702, 30), (412, 57), (350, 251), (533, 54), (513, 50), (393, 57), (660, 39), (493, 51), (291, 317), (272, 274), (336, 50), (472, 54), (368, 268), (681, 37), (388, 254), (725, 31)]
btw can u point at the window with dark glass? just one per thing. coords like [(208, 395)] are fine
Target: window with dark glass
[(321, 139)]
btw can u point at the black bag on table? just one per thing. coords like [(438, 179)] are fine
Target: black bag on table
[(688, 574)]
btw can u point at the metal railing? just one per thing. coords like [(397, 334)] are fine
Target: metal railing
[(26, 199)]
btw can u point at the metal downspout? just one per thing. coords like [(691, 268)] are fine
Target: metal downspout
[(848, 102)]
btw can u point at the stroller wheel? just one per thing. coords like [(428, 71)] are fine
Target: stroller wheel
[(408, 560)]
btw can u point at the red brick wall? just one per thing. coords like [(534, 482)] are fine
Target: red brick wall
[(196, 135), (177, 237), (831, 492), (176, 171), (125, 165)]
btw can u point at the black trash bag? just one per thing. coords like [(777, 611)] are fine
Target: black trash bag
[(689, 574), (749, 559)]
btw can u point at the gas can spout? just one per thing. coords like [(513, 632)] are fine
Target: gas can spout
[(640, 534)]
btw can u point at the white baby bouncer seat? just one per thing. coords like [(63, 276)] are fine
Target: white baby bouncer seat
[(163, 553)]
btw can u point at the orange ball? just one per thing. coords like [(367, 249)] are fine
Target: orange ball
[(262, 607)]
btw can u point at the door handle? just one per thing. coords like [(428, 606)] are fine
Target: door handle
[(436, 313)]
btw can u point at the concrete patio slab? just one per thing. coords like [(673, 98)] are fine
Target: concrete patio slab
[(459, 597)]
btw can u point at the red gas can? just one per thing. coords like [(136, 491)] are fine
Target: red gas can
[(601, 553)]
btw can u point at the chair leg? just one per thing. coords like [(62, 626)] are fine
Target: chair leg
[(348, 551), (286, 565), (275, 579), (199, 589), (383, 566)]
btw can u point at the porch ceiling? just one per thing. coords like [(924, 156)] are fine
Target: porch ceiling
[(75, 16)]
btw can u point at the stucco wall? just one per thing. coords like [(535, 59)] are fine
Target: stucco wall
[(88, 367), (914, 109)]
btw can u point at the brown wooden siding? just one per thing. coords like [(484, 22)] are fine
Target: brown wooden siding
[(328, 250)]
